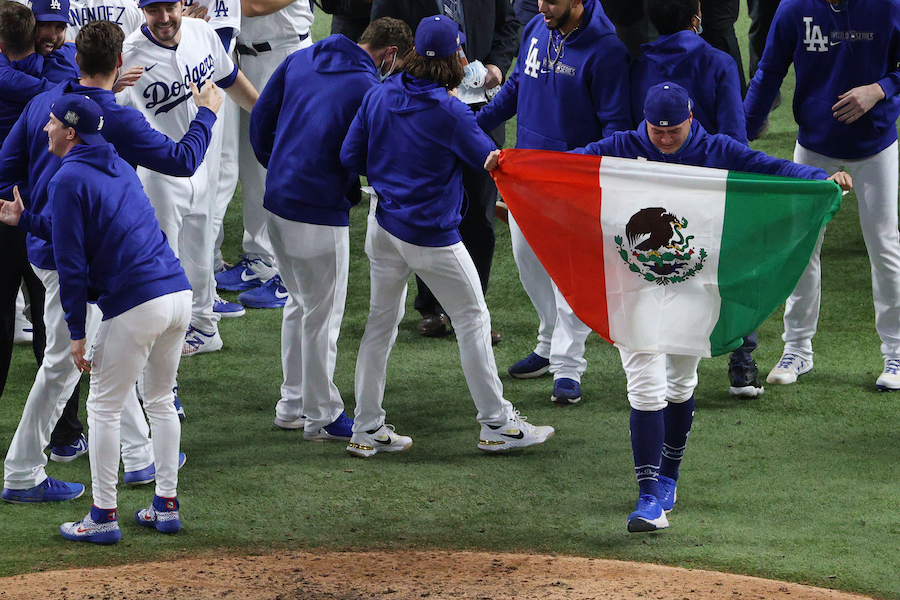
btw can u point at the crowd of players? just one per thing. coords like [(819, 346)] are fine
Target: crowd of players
[(424, 81)]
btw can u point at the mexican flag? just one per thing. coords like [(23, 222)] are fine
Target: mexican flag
[(665, 258)]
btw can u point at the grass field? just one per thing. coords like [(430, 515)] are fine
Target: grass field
[(800, 484)]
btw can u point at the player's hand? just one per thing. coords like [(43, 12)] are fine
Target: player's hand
[(10, 212), (493, 78), (842, 179), (77, 349), (195, 11), (210, 97), (492, 161), (127, 79), (454, 93), (857, 102)]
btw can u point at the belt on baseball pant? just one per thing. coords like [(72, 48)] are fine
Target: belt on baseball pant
[(255, 49)]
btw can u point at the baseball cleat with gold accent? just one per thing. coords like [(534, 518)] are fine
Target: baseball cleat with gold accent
[(383, 439), (516, 433)]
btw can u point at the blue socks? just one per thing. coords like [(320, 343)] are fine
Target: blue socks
[(678, 419), (647, 432)]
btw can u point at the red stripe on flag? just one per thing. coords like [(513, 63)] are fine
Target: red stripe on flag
[(555, 199)]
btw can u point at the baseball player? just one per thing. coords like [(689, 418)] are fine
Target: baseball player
[(270, 32), (661, 386), (124, 13), (569, 88), (414, 230), (317, 91), (846, 103), (711, 78), (23, 74), (491, 42), (108, 246), (175, 51), (25, 158), (225, 17)]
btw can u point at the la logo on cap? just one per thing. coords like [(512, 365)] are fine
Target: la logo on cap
[(55, 5)]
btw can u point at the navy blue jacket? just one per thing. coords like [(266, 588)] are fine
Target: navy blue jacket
[(833, 51), (22, 80), (411, 139), (701, 149), (710, 76), (297, 127), (24, 158), (106, 239), (583, 97)]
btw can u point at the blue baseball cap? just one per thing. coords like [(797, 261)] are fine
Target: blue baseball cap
[(51, 10), (81, 114), (667, 104), (438, 37), (143, 3)]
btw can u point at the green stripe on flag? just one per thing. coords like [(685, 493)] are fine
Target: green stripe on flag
[(770, 230)]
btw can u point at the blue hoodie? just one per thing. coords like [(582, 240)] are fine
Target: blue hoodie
[(701, 149), (834, 49), (412, 139), (297, 127), (106, 238), (22, 80), (710, 76), (584, 97), (24, 156)]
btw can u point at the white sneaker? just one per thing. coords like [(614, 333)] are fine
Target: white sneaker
[(298, 423), (197, 342), (517, 433), (383, 439), (889, 380), (789, 368)]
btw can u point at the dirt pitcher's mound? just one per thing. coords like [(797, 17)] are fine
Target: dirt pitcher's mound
[(402, 576)]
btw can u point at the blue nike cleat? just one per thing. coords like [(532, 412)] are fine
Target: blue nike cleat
[(49, 490), (271, 294), (648, 515)]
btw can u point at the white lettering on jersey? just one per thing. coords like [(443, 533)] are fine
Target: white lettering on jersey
[(814, 40), (532, 64), (166, 96), (83, 15)]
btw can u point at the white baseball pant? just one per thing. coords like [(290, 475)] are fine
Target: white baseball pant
[(875, 181), (144, 340), (25, 464), (184, 209), (654, 379), (314, 261), (258, 70), (561, 334), (450, 274)]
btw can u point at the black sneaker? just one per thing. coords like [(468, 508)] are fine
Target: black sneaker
[(744, 379)]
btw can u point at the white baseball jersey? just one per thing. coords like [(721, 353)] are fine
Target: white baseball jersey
[(291, 21), (183, 205), (124, 13), (162, 92), (221, 13)]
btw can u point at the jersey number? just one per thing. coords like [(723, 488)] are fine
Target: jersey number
[(814, 40), (532, 64), (221, 10)]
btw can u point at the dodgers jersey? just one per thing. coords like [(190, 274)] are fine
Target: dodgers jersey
[(291, 21), (162, 93), (124, 13)]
